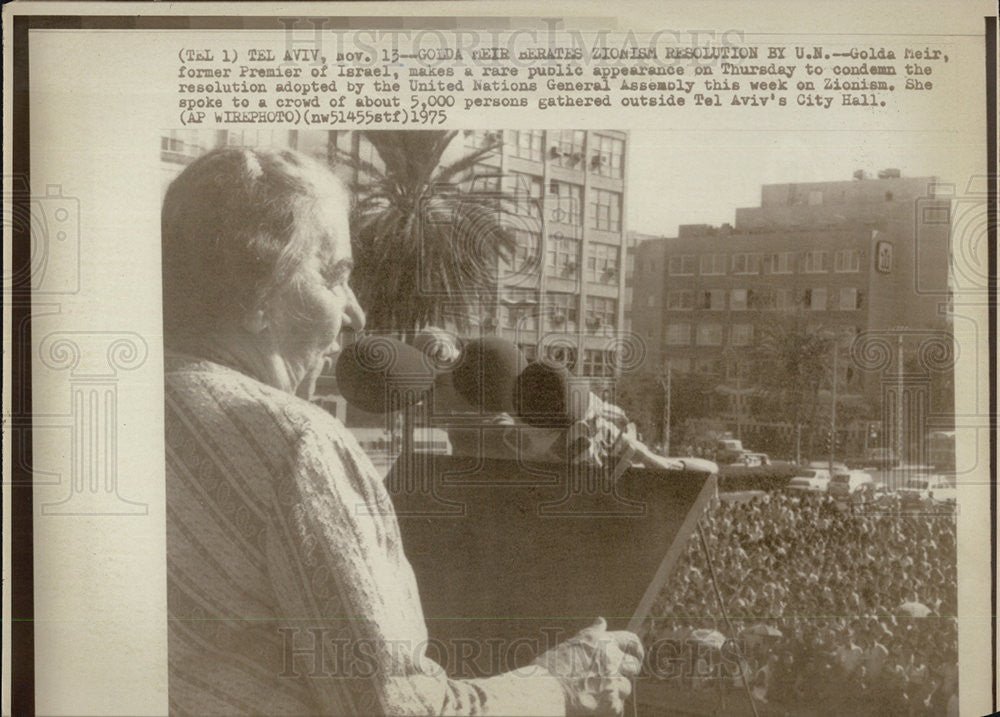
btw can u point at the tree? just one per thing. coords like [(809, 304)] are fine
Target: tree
[(693, 395), (420, 242), (640, 396), (643, 398), (792, 362)]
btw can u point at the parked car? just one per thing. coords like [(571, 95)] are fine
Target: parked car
[(813, 481), (851, 484), (928, 487), (730, 451), (756, 459)]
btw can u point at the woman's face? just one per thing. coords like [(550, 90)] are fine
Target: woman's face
[(311, 310)]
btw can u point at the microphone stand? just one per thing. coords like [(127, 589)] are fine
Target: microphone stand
[(409, 423), (411, 482)]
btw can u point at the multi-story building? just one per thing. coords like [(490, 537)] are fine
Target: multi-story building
[(863, 256), (563, 295), (178, 148)]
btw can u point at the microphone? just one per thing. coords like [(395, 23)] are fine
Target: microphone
[(442, 347), (546, 394), (487, 372), (378, 374)]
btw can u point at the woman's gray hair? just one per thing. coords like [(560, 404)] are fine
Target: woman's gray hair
[(236, 225)]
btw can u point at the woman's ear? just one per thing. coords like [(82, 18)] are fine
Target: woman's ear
[(255, 322)]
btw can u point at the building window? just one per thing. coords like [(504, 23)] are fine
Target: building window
[(681, 265), (530, 351), (708, 366), (680, 300), (526, 190), (527, 144), (567, 149), (607, 156), (526, 250), (744, 263), (182, 147), (258, 138), (563, 255), (815, 299), (780, 263), (678, 334), (713, 264), (847, 260), (598, 362), (566, 201), (713, 300), (850, 298), (784, 299), (738, 300), (479, 138), (602, 264), (521, 318), (760, 299), (483, 179), (741, 335), (519, 310), (565, 355), (601, 312), (605, 210), (814, 262), (709, 335), (562, 314)]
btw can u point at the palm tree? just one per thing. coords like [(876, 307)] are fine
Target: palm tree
[(423, 246)]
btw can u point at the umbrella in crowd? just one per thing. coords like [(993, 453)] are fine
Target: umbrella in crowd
[(709, 638), (914, 609)]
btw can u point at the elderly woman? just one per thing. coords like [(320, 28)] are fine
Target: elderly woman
[(288, 589)]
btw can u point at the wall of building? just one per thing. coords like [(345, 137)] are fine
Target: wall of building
[(565, 294)]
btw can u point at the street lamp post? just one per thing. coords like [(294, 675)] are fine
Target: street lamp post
[(899, 397), (739, 401), (666, 410), (833, 407)]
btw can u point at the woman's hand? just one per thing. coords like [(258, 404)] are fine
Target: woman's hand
[(595, 668), (653, 461)]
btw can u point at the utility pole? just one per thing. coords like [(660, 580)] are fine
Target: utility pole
[(833, 408), (739, 401), (899, 398), (798, 442), (666, 411)]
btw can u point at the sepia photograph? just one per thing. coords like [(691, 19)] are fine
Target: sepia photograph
[(376, 363), (510, 360)]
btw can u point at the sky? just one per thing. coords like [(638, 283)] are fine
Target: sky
[(692, 177)]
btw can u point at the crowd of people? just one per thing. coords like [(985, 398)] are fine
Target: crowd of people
[(833, 611)]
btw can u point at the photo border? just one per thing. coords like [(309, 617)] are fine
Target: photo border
[(20, 484)]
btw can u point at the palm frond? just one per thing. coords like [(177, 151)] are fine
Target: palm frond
[(460, 166), (421, 242)]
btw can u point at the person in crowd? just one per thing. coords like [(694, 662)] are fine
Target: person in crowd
[(288, 588), (787, 561)]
